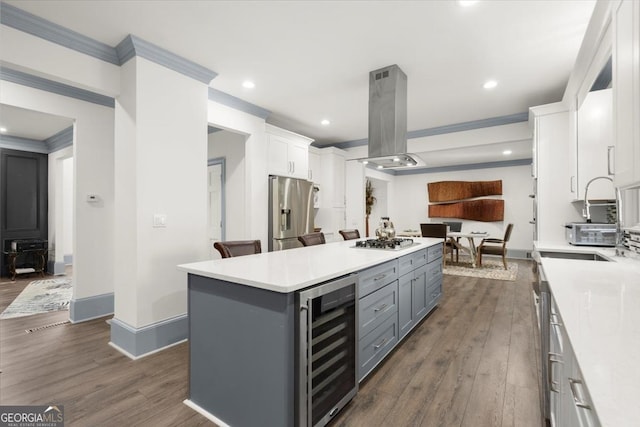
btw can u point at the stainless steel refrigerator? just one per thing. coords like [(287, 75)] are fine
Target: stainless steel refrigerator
[(290, 211)]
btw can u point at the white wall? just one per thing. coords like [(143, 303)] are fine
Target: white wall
[(256, 175), (409, 206), (52, 61), (67, 206), (161, 168), (93, 166), (59, 191), (230, 145)]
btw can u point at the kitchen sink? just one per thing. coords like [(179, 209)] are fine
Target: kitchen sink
[(574, 255)]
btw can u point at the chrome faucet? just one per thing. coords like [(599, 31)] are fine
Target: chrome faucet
[(587, 214)]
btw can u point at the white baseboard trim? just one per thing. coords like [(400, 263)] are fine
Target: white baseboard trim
[(205, 413)]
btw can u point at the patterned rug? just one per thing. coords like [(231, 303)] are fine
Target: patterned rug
[(41, 296), (492, 268)]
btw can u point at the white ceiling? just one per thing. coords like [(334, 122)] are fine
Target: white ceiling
[(310, 59), (30, 124)]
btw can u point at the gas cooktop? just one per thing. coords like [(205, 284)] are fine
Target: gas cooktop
[(384, 244)]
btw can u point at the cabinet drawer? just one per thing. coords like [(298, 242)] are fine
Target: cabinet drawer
[(376, 307), (434, 252), (434, 293), (374, 278), (412, 261), (434, 272), (375, 346)]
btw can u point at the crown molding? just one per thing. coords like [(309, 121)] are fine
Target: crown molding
[(60, 140), (135, 46), (237, 103), (47, 85), (14, 17), (23, 144), (442, 130), (131, 46)]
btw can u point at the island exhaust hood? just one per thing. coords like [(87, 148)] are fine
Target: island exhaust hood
[(388, 120)]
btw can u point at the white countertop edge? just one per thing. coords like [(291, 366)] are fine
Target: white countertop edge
[(214, 269)]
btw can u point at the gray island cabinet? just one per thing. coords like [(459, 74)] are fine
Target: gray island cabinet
[(243, 317)]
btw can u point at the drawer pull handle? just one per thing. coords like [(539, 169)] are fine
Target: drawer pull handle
[(383, 342), (380, 277), (550, 362), (577, 397), (382, 307)]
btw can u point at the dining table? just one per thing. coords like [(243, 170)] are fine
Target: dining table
[(455, 236)]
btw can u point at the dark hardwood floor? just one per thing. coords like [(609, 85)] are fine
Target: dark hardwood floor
[(472, 362)]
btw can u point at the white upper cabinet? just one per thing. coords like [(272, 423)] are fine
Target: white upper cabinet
[(626, 92), (332, 161), (314, 165), (595, 145), (288, 153)]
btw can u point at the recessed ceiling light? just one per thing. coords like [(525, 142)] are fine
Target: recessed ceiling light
[(467, 3), (325, 122), (507, 152), (248, 84), (396, 159), (380, 166), (3, 129), (364, 162), (490, 84)]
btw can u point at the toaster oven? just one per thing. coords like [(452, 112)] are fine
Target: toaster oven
[(590, 234)]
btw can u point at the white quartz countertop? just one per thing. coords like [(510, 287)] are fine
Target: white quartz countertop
[(294, 269), (600, 307)]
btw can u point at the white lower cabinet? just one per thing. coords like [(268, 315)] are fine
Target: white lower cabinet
[(570, 403)]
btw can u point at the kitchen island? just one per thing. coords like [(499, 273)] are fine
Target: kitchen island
[(242, 320), (597, 315)]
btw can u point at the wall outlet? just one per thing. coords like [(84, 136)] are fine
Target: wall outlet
[(92, 198)]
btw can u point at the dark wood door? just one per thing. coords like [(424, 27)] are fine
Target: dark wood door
[(23, 198)]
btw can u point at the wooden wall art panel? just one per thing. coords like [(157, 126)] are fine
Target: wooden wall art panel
[(478, 210), (447, 191)]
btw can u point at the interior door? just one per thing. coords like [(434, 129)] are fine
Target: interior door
[(214, 225)]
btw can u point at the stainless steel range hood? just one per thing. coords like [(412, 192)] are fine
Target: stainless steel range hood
[(388, 120)]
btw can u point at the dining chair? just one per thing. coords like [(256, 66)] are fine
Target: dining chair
[(349, 234), (455, 226), (494, 246), (235, 248), (312, 239), (438, 230)]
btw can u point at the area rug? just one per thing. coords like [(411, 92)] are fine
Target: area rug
[(492, 268), (40, 296)]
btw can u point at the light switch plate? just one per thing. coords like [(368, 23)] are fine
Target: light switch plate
[(159, 220)]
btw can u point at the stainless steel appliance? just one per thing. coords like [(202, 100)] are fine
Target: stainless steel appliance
[(327, 348), (590, 234), (392, 244), (388, 120), (290, 211)]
